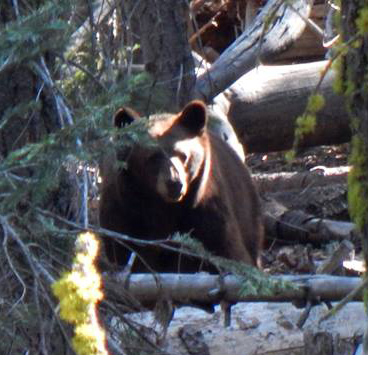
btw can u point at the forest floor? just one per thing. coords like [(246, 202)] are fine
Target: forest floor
[(304, 258), (267, 327)]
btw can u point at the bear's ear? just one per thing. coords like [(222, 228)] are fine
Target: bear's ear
[(193, 118), (124, 117)]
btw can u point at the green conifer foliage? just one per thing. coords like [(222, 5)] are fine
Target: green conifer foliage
[(56, 111)]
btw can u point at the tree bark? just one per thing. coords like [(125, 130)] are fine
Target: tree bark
[(354, 81), (166, 51), (354, 85), (32, 107), (265, 104), (309, 46)]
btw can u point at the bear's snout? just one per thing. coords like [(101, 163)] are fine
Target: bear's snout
[(174, 189), (172, 181)]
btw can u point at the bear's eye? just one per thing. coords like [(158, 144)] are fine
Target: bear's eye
[(155, 159)]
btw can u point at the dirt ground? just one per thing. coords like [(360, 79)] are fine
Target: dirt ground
[(259, 328), (266, 327)]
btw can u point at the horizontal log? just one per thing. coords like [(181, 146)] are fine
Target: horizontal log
[(284, 181), (265, 103), (202, 288), (295, 225)]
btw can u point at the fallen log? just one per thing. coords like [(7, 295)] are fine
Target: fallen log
[(265, 103), (294, 225), (323, 202), (147, 289), (284, 181), (259, 41), (309, 46)]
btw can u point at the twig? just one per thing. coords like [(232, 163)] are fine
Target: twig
[(55, 315), (83, 69), (349, 297), (61, 107), (8, 229), (92, 25), (330, 62), (85, 197), (312, 25), (103, 9), (124, 237), (332, 263), (304, 314), (195, 5), (5, 247), (43, 346), (16, 8), (35, 266), (208, 24), (64, 111), (133, 327)]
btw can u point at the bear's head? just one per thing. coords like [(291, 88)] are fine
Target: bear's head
[(177, 154)]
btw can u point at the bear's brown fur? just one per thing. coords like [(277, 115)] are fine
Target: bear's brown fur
[(189, 181)]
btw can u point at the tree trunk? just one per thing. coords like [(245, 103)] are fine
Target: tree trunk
[(353, 76), (19, 87), (29, 112), (266, 103), (31, 107), (354, 83), (166, 51)]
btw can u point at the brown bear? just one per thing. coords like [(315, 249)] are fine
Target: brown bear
[(187, 180)]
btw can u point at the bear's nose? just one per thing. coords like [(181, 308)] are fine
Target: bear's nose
[(174, 188)]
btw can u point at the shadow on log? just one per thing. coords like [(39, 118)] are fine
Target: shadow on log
[(265, 104)]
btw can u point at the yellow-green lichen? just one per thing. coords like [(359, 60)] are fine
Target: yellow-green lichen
[(306, 123), (88, 341), (316, 103), (362, 21), (352, 82), (79, 292), (358, 183)]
